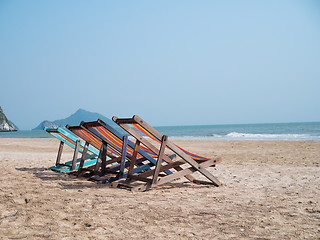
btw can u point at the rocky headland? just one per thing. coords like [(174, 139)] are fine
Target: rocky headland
[(5, 124)]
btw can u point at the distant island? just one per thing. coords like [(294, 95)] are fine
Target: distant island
[(5, 124), (75, 119)]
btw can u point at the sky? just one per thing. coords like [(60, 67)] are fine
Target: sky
[(170, 62)]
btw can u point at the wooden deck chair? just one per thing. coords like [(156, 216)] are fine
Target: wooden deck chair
[(107, 159), (121, 146), (136, 127), (66, 137)]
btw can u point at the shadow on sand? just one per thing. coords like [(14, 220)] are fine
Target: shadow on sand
[(73, 181)]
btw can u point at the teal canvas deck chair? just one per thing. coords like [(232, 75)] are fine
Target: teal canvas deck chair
[(102, 134), (66, 137), (158, 144)]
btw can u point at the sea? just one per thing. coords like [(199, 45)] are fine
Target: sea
[(303, 131)]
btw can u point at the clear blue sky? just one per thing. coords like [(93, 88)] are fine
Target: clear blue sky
[(171, 62)]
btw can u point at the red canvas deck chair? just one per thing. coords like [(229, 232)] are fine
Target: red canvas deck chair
[(106, 156), (114, 145), (188, 164), (121, 146)]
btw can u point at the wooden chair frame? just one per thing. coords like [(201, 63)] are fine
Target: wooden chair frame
[(155, 180), (125, 157), (69, 139), (109, 160)]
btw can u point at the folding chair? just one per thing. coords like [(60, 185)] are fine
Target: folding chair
[(136, 127), (66, 137), (120, 146)]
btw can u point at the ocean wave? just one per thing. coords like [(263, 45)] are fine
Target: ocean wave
[(250, 136), (221, 135), (268, 136)]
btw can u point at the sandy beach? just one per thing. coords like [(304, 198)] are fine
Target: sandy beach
[(271, 190)]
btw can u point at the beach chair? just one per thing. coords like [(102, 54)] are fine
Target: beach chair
[(107, 158), (119, 145), (188, 164), (66, 137)]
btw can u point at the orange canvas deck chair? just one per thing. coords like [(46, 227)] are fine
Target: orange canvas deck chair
[(188, 164), (115, 151), (106, 156), (121, 146)]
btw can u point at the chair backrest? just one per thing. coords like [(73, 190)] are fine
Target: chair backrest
[(70, 139), (106, 133), (88, 137), (135, 125)]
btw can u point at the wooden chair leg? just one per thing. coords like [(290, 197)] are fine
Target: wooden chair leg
[(75, 155), (83, 157), (133, 159), (123, 155), (104, 157), (59, 153), (159, 161), (99, 160)]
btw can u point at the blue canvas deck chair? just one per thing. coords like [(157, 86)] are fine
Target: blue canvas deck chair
[(66, 137), (108, 140), (114, 141), (184, 167)]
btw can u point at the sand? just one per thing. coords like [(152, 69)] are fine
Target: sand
[(271, 190)]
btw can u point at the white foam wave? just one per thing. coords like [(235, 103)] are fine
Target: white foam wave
[(250, 136), (268, 136)]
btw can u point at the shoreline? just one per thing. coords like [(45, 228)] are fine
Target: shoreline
[(256, 132), (271, 189), (193, 138)]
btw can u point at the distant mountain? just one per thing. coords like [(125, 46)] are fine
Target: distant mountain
[(47, 124), (75, 119), (5, 124)]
